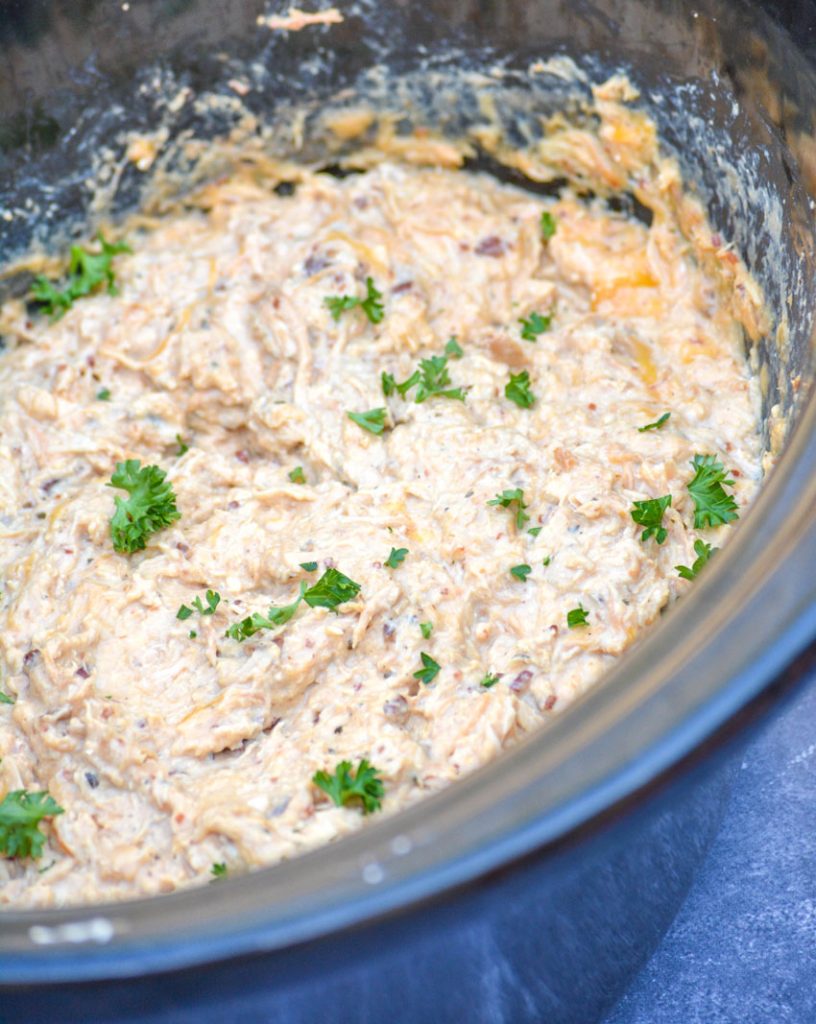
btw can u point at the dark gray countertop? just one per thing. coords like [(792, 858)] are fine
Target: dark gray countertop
[(743, 948)]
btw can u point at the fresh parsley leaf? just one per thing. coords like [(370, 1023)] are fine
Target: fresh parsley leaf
[(397, 555), (192, 634), (577, 617), (534, 531), (5, 699), (650, 514), (521, 572), (518, 390), (86, 271), (513, 497), (548, 225), (274, 618), (658, 423), (704, 552), (182, 447), (408, 383), (20, 814), (150, 507), (371, 305), (546, 561), (296, 475), (103, 395), (434, 380), (309, 566), (343, 785), (453, 350), (184, 612), (426, 628), (489, 680), (429, 670), (389, 385), (373, 421), (212, 598), (534, 325), (331, 590), (219, 871), (712, 505)]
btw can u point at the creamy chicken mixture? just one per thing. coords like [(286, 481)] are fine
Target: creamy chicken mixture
[(172, 747)]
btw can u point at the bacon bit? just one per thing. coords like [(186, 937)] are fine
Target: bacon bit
[(30, 657), (361, 202), (735, 472), (491, 246), (403, 286), (276, 303), (522, 681), (233, 504), (554, 628), (242, 456), (68, 551), (82, 672), (183, 548), (549, 703), (106, 712), (49, 485), (179, 818), (396, 708), (592, 406), (314, 263)]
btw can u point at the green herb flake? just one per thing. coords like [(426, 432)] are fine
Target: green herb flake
[(397, 555), (150, 507), (521, 572), (704, 552), (657, 425), (712, 504), (331, 590), (546, 561), (510, 498), (184, 612), (296, 475), (182, 447), (20, 815), (489, 680), (429, 670), (86, 272), (453, 350), (219, 870), (344, 785), (309, 566), (518, 390), (192, 634), (5, 699), (274, 619), (650, 514), (103, 395), (373, 421), (534, 325), (371, 305), (212, 598), (548, 225), (426, 628), (389, 385), (534, 531), (577, 617), (434, 380)]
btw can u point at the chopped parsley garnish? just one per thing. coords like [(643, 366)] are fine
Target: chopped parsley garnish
[(712, 505), (331, 590), (219, 870), (518, 390), (103, 395), (408, 383), (426, 628), (664, 419), (704, 552), (192, 634), (434, 380), (534, 325), (489, 680), (309, 566), (182, 447), (534, 531), (296, 475), (371, 305), (5, 699), (548, 225), (507, 499), (521, 572), (274, 618), (546, 561), (650, 514), (86, 271), (397, 555), (150, 507), (389, 385), (577, 617), (429, 670), (344, 785), (212, 598), (373, 421), (453, 350), (20, 814)]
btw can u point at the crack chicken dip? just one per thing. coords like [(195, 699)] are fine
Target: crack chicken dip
[(314, 498)]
